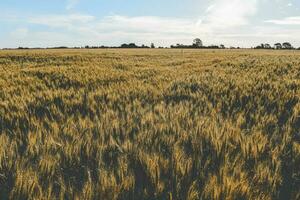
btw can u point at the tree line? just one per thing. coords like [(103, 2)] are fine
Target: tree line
[(197, 44), (285, 45)]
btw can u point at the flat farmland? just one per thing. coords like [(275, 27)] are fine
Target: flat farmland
[(149, 124)]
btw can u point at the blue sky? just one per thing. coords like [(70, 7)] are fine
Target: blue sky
[(41, 23)]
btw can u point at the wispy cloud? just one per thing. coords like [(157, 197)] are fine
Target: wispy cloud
[(224, 21), (232, 22), (118, 23), (229, 13), (115, 29), (286, 21), (149, 24), (61, 21), (221, 14)]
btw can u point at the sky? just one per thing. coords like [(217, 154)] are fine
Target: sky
[(244, 23)]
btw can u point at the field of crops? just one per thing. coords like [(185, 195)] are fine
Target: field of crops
[(149, 124)]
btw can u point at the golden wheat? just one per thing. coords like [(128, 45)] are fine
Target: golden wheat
[(149, 124)]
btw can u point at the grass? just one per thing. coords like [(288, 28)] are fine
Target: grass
[(149, 124)]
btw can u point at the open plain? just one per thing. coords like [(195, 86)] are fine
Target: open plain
[(149, 124)]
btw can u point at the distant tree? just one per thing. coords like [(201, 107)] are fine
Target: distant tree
[(267, 46), (61, 47), (152, 45), (213, 47), (222, 46), (287, 45), (261, 46), (277, 46), (130, 45), (197, 43)]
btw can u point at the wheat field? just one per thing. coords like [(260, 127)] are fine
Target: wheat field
[(149, 124)]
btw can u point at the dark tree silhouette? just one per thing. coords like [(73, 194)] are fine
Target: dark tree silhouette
[(131, 45), (197, 42), (267, 46), (287, 45), (277, 46)]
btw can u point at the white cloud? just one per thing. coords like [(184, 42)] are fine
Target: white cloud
[(61, 21), (147, 24), (230, 22), (221, 14), (114, 30), (229, 13), (118, 23), (286, 21)]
